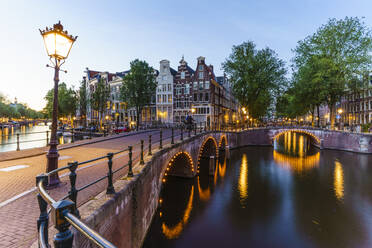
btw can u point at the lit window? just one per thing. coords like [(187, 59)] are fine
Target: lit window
[(170, 98)]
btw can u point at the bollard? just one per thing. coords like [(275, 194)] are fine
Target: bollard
[(73, 191), (181, 133), (172, 140), (43, 205), (47, 138), (150, 153), (212, 164), (161, 140), (72, 136), (141, 160), (130, 170), (18, 142), (110, 186), (64, 236)]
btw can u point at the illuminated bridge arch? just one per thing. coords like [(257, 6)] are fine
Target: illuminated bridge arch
[(313, 136), (223, 142), (208, 148), (180, 165)]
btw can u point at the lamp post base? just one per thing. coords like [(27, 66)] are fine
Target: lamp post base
[(52, 164)]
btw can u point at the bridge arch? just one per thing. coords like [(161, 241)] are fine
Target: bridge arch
[(308, 133), (180, 165), (223, 142)]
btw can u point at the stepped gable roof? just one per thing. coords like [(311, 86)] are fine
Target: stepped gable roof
[(209, 70)]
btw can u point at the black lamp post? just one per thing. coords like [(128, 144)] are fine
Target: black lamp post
[(58, 44)]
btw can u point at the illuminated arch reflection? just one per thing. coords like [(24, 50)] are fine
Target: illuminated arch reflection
[(243, 179), (174, 231)]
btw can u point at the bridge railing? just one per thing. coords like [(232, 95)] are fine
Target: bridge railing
[(64, 212)]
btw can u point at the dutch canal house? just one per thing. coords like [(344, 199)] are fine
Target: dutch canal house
[(117, 112), (164, 93), (182, 92)]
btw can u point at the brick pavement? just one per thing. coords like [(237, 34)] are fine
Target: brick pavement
[(18, 218)]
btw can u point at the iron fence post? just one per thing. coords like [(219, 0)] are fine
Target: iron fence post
[(150, 153), (172, 141), (47, 138), (141, 160), (72, 136), (110, 186), (18, 142), (43, 218), (130, 170), (73, 191), (195, 129), (161, 140), (64, 237), (181, 133)]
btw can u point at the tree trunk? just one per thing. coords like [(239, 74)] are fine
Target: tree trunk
[(332, 115), (317, 110), (138, 118)]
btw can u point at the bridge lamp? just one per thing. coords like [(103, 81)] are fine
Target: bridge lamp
[(58, 44), (340, 111)]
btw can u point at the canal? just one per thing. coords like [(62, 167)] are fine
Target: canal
[(289, 195), (31, 136)]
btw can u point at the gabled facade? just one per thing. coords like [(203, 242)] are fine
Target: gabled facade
[(164, 93), (182, 92)]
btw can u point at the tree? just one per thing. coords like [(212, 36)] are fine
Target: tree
[(257, 76), (138, 87), (100, 98), (339, 52), (83, 100), (67, 101)]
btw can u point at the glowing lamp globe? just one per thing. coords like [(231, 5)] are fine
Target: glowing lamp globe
[(57, 42)]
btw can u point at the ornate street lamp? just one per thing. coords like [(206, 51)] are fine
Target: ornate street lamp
[(58, 44)]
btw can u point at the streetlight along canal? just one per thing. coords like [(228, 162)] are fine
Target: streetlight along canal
[(292, 195)]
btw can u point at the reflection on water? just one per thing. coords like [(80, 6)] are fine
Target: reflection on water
[(243, 180), (339, 180), (295, 157), (290, 196)]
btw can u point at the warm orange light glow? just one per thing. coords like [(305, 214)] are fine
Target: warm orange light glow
[(296, 164), (243, 180), (338, 182)]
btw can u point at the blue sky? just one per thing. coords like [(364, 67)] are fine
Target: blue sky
[(112, 33)]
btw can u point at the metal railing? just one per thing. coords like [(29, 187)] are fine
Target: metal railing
[(81, 135), (65, 212)]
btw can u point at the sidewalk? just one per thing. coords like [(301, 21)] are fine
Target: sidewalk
[(18, 217)]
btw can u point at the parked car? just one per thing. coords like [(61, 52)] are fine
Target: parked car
[(121, 129)]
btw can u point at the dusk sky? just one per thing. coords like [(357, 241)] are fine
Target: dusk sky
[(112, 33)]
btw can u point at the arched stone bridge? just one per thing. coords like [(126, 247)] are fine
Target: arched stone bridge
[(125, 217)]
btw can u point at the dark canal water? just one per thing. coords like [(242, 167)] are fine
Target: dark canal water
[(292, 195)]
